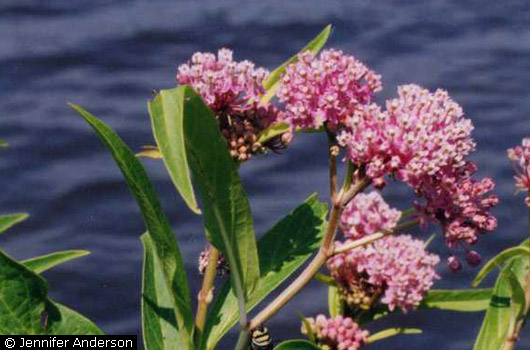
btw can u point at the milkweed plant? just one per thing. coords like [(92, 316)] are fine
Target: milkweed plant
[(225, 113)]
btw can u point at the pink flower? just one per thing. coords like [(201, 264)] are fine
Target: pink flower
[(520, 156), (420, 134), (338, 333), (232, 90), (367, 214), (222, 82), (222, 266), (327, 89), (398, 268)]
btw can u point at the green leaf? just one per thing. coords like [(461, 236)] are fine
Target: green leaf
[(24, 305), (500, 312), (45, 262), (465, 300), (227, 216), (387, 333), (159, 327), (498, 260), (166, 247), (282, 250), (272, 82), (272, 131), (8, 221), (3, 144), (518, 297), (297, 344), (335, 304), (167, 120)]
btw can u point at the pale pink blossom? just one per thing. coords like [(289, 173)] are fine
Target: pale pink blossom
[(367, 214), (325, 89), (397, 268), (520, 156), (222, 265), (337, 333)]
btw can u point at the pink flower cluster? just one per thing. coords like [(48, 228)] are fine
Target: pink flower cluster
[(328, 89), (399, 266), (367, 214), (520, 156), (338, 333), (222, 265), (460, 204), (420, 134), (222, 82)]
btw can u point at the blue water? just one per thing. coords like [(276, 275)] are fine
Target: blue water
[(108, 55)]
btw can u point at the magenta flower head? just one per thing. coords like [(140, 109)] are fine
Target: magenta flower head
[(420, 134), (222, 82), (222, 265), (367, 214), (325, 89), (396, 268), (232, 91), (337, 333), (520, 157)]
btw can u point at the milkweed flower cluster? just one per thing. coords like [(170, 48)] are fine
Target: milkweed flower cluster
[(423, 139), (367, 214), (327, 89), (397, 268), (338, 333), (520, 157), (222, 266), (232, 90)]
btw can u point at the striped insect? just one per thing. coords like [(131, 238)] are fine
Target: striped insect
[(261, 339)]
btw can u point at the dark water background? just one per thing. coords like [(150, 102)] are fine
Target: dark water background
[(108, 55)]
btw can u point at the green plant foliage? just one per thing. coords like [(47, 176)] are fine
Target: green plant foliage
[(8, 221), (157, 224), (272, 82), (387, 333), (296, 344), (282, 250), (3, 144), (498, 260), (462, 300), (335, 305), (160, 330), (227, 215), (45, 262), (167, 120), (24, 305), (501, 310)]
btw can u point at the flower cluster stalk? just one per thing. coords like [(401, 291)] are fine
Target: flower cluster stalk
[(205, 294)]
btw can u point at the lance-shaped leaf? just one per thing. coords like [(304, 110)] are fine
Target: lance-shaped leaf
[(501, 311), (282, 250), (159, 326), (297, 344), (470, 300), (167, 120), (8, 221), (273, 80), (45, 262), (26, 310), (157, 224), (498, 260), (391, 332), (227, 216), (335, 304)]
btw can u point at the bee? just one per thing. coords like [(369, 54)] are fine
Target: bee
[(261, 339)]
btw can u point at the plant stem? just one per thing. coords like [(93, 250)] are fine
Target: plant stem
[(373, 237), (513, 337), (206, 289), (325, 251)]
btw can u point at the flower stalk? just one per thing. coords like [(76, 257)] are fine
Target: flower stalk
[(206, 293)]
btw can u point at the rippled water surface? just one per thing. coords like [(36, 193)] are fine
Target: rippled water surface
[(108, 55)]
